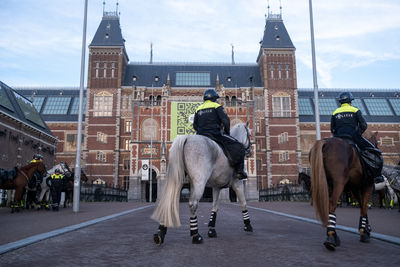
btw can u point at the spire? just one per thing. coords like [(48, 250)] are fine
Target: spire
[(104, 7), (116, 9), (233, 56), (151, 53)]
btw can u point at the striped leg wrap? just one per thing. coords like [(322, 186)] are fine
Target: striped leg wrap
[(246, 218), (213, 218), (363, 224), (193, 226), (331, 223)]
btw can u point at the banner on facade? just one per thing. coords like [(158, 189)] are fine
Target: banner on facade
[(182, 114), (145, 169)]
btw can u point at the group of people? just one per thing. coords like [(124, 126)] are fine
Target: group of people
[(212, 121), (55, 182)]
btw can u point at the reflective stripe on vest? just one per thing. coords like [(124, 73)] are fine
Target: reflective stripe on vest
[(55, 176), (346, 107), (208, 104)]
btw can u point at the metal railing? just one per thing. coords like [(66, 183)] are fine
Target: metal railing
[(99, 193), (284, 193)]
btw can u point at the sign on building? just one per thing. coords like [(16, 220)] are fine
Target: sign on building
[(145, 169), (182, 114)]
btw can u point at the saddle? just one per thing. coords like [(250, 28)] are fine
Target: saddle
[(232, 151), (370, 158)]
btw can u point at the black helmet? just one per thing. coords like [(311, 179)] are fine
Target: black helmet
[(345, 97), (57, 171), (37, 157), (210, 94)]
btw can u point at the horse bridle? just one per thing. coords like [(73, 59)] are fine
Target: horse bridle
[(248, 151)]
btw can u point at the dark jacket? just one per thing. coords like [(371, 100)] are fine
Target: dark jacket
[(348, 120), (211, 118)]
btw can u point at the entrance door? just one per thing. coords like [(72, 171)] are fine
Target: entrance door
[(153, 188)]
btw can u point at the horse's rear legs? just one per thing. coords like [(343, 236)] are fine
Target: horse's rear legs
[(363, 226), (194, 228), (332, 240)]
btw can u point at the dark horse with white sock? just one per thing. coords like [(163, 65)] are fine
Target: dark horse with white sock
[(205, 164), (335, 164)]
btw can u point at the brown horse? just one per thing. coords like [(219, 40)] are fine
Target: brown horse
[(335, 164), (24, 176)]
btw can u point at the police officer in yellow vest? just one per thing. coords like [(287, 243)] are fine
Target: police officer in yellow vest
[(57, 180), (212, 121), (347, 121)]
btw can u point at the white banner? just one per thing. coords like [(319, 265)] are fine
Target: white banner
[(145, 169)]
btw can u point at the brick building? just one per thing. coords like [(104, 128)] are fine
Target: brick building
[(133, 111)]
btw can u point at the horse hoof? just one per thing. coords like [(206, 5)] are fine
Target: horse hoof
[(197, 239), (330, 246), (158, 239), (212, 233), (365, 238), (248, 228), (332, 242)]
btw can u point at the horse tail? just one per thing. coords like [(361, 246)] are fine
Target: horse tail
[(319, 185), (167, 209)]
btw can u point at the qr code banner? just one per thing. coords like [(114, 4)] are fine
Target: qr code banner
[(182, 114)]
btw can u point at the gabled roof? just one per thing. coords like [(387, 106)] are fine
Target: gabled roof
[(16, 106), (230, 75), (109, 31), (275, 33)]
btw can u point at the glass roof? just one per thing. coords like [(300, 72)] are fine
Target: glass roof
[(4, 101), (38, 102), (57, 105), (327, 106), (192, 79), (378, 106), (75, 106), (395, 102), (358, 104), (29, 110), (305, 107)]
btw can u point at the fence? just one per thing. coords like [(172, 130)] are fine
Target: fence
[(284, 193), (94, 192)]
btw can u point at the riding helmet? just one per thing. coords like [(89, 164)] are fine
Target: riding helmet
[(37, 157), (210, 94), (57, 171), (345, 97)]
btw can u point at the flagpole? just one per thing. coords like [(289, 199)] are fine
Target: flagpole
[(77, 177), (316, 102)]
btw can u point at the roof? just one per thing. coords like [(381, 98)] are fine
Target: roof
[(275, 33), (109, 31), (13, 104), (192, 74), (377, 105)]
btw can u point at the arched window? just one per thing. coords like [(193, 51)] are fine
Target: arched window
[(158, 101)]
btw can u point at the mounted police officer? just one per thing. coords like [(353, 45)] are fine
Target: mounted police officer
[(38, 177), (347, 121), (56, 184), (212, 121)]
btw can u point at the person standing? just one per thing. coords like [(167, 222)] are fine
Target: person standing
[(56, 180)]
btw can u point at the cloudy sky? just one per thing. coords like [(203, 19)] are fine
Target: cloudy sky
[(357, 41)]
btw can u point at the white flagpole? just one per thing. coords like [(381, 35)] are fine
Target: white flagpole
[(77, 177)]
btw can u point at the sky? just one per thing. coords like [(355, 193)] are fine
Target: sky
[(357, 42)]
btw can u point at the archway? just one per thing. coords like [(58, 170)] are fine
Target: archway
[(153, 188)]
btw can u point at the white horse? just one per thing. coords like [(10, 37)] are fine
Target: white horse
[(205, 163), (44, 196)]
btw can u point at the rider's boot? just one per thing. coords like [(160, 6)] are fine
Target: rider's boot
[(240, 172)]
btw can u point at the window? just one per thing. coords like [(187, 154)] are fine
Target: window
[(283, 138), (271, 69), (281, 106), (127, 164), (378, 106), (327, 106), (38, 102), (358, 104), (70, 142), (283, 156), (158, 100), (279, 72), (105, 70), (29, 110), (192, 79), (128, 126), (287, 71), (101, 137), (112, 70), (102, 105), (101, 156), (396, 105), (126, 144), (258, 164), (258, 127), (258, 144), (75, 106), (125, 183), (97, 69), (387, 141), (57, 105), (305, 107)]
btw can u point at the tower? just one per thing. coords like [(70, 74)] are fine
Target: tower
[(107, 62), (277, 63)]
